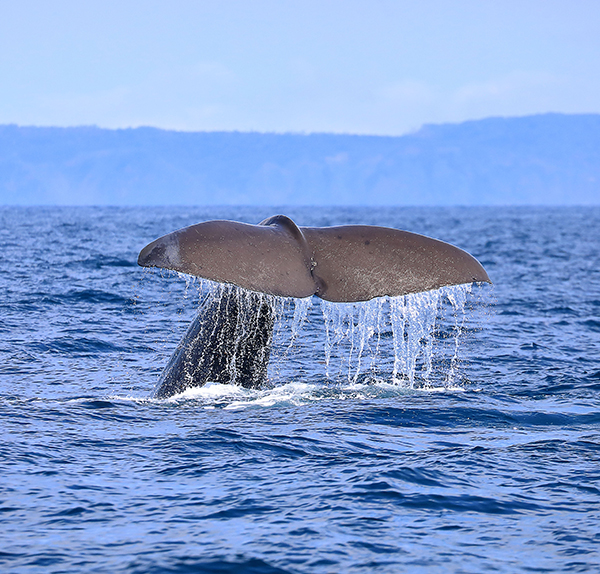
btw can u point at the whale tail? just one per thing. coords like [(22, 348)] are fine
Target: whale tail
[(344, 264), (229, 342), (230, 339)]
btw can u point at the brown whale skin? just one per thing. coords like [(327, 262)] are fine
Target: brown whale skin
[(342, 264)]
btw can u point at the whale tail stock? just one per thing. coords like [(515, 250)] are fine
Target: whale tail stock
[(230, 339), (346, 263), (229, 342)]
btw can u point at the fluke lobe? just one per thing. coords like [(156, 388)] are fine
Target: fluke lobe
[(346, 263)]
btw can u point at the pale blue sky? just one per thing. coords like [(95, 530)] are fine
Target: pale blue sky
[(353, 66)]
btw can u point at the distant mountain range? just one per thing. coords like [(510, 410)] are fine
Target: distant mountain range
[(549, 159)]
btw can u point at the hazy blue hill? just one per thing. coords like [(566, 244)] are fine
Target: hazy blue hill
[(549, 159)]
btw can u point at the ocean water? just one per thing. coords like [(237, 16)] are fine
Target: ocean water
[(456, 431)]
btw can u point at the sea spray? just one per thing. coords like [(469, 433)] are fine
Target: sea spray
[(228, 342), (411, 340), (350, 330), (358, 341), (458, 299), (413, 320)]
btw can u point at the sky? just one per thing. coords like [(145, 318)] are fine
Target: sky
[(346, 66)]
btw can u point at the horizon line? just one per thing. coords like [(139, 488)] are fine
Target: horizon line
[(295, 133)]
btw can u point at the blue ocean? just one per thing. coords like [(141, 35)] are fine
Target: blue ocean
[(453, 431)]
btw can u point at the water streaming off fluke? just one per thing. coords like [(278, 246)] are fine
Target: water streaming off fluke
[(406, 339), (410, 340)]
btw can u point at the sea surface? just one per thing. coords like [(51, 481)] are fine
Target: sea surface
[(457, 431)]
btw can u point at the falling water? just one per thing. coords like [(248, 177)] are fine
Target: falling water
[(404, 338), (411, 340)]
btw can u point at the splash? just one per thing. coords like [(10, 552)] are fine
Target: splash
[(412, 337), (228, 342), (411, 341), (353, 333)]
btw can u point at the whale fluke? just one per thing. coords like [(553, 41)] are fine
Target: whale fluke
[(342, 264), (230, 339)]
